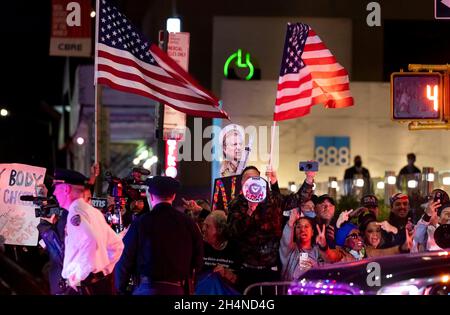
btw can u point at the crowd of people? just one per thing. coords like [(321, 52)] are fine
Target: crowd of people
[(164, 251)]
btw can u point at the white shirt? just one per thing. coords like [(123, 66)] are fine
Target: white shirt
[(90, 244)]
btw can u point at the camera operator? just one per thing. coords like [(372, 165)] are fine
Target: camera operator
[(51, 230), (91, 246)]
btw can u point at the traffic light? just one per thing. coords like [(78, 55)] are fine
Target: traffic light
[(417, 96)]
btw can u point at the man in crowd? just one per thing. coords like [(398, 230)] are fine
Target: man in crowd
[(400, 218), (410, 168), (357, 170), (325, 209), (257, 228), (91, 246), (163, 248)]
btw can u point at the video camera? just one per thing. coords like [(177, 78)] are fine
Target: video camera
[(47, 206), (129, 187), (124, 191)]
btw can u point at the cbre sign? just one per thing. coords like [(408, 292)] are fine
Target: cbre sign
[(71, 28)]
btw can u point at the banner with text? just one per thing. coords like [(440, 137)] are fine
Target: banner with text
[(175, 121), (17, 218), (71, 28)]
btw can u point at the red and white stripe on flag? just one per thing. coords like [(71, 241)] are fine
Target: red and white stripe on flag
[(309, 75), (127, 61)]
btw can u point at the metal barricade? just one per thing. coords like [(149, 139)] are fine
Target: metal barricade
[(277, 288)]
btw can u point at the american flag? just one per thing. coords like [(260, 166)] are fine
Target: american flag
[(127, 61), (309, 75)]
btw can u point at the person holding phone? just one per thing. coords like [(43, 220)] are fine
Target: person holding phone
[(298, 251), (257, 227)]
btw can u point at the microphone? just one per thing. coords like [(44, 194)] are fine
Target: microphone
[(32, 198)]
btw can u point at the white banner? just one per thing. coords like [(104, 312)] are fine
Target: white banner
[(175, 121), (17, 220)]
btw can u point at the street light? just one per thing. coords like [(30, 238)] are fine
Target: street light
[(292, 186), (80, 140), (380, 185), (4, 112), (413, 183), (173, 25)]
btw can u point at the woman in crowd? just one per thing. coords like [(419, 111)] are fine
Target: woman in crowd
[(351, 246), (298, 252), (221, 259)]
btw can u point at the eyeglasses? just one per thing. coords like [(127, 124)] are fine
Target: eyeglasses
[(354, 235)]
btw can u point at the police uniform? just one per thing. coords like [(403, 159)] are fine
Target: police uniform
[(91, 246), (162, 247)]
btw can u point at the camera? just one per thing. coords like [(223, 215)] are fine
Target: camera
[(309, 166), (132, 186), (47, 206), (124, 191)]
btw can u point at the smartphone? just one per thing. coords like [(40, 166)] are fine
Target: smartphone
[(310, 166), (437, 196)]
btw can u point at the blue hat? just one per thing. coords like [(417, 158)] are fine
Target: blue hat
[(163, 186), (343, 232), (64, 176)]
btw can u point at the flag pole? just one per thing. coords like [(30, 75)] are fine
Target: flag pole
[(272, 143), (98, 107)]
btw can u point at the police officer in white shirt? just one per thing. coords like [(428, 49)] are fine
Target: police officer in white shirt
[(91, 246)]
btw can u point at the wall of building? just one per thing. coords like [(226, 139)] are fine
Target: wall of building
[(263, 38), (382, 143)]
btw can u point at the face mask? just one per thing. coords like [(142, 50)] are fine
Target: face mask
[(310, 214)]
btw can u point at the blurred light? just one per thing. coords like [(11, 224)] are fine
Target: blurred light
[(149, 162), (445, 278), (443, 254), (80, 140), (334, 184), (380, 185), (430, 177), (3, 112), (412, 183), (171, 172), (92, 14), (359, 182), (403, 289), (337, 188), (292, 186), (391, 180), (446, 181), (173, 25), (136, 161), (143, 155), (426, 258)]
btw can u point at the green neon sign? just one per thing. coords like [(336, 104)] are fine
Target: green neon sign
[(238, 55)]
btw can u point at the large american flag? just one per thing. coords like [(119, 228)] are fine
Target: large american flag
[(127, 61), (309, 75)]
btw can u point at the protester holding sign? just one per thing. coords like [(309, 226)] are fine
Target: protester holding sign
[(255, 223)]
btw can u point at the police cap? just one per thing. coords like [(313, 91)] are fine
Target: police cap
[(64, 176), (162, 186)]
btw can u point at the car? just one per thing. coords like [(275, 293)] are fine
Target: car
[(425, 273)]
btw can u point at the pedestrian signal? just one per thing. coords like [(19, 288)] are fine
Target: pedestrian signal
[(416, 96)]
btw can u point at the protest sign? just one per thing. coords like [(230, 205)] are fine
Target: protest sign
[(17, 218)]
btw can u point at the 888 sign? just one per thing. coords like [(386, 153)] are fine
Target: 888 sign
[(332, 151)]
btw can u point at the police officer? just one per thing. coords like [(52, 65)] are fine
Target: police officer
[(162, 247), (91, 246)]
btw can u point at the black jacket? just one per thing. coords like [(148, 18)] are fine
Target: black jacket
[(163, 245), (53, 236)]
